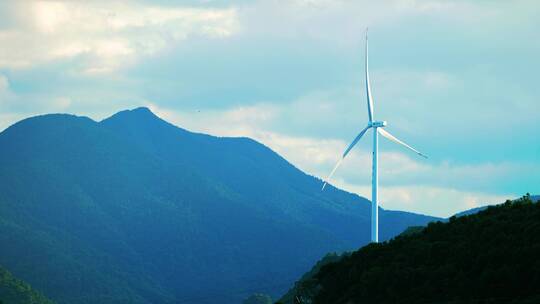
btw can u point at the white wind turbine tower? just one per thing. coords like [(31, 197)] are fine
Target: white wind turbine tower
[(377, 127)]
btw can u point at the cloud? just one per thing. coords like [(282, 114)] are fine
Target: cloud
[(4, 84), (436, 201), (6, 95), (105, 36), (439, 188), (454, 79), (13, 107), (343, 22)]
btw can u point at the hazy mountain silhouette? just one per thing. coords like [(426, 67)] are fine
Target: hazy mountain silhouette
[(135, 210)]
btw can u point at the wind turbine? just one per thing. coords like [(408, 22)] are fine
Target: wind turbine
[(377, 127)]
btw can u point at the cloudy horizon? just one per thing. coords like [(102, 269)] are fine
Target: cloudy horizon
[(455, 79)]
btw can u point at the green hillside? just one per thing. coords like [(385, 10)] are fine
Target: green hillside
[(135, 210), (488, 257), (15, 291), (302, 288)]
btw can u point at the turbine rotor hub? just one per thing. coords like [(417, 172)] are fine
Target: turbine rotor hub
[(378, 124)]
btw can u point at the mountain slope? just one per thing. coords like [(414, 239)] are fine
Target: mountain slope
[(533, 198), (15, 291), (133, 209), (488, 257)]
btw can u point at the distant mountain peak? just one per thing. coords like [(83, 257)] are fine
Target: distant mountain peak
[(137, 113), (140, 117), (40, 123), (142, 110), (54, 117), (140, 123)]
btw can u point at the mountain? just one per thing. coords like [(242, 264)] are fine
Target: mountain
[(533, 198), (302, 289), (258, 299), (487, 257), (133, 209), (15, 291), (471, 211)]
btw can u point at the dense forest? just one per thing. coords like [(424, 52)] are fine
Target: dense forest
[(302, 288), (488, 257), (15, 291)]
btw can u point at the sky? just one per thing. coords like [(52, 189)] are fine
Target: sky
[(455, 79)]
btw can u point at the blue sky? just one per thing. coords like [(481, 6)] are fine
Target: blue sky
[(455, 79)]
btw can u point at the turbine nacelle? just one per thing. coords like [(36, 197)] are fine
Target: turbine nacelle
[(377, 124)]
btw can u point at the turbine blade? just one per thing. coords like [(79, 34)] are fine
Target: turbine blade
[(354, 142), (331, 173), (368, 86), (356, 139), (391, 137)]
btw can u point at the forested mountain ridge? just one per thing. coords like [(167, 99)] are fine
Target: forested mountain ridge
[(533, 198), (135, 210), (15, 291), (488, 257)]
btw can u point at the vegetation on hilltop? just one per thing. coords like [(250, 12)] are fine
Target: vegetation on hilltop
[(15, 291), (302, 289), (488, 257)]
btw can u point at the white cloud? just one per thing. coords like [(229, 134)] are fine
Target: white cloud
[(343, 22), (13, 107), (4, 84), (97, 37), (432, 200), (405, 183), (107, 35), (7, 118), (6, 95), (61, 103), (238, 121), (7, 100)]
